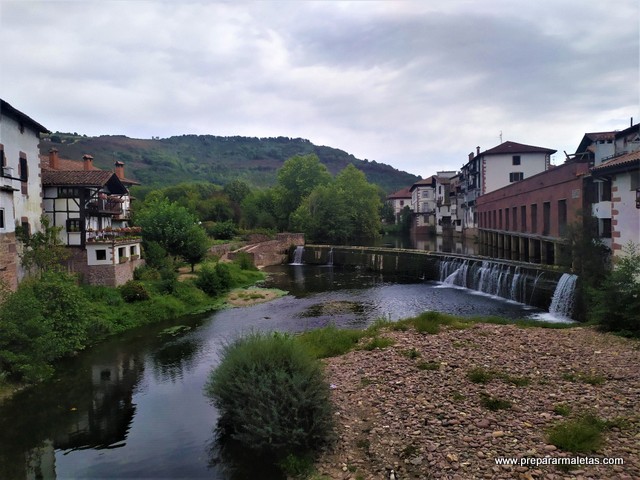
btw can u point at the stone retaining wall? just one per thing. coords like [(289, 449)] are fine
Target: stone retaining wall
[(271, 252)]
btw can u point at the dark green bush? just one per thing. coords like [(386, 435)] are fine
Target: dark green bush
[(45, 319), (214, 279), (133, 291), (244, 261), (272, 397), (222, 230), (582, 434)]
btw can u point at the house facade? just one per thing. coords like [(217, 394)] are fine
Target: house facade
[(446, 206), (91, 206), (398, 200), (496, 168), (20, 187), (616, 191), (423, 204)]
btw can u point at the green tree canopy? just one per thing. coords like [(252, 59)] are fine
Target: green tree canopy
[(297, 178), (167, 224)]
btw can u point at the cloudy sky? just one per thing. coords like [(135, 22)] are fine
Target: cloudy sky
[(415, 84)]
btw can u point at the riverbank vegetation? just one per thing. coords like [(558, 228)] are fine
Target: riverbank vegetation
[(52, 316)]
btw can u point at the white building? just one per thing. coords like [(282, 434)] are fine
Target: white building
[(495, 168), (398, 200), (423, 204), (20, 186)]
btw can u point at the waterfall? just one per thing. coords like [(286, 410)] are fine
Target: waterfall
[(563, 298), (492, 278), (297, 255), (330, 260)]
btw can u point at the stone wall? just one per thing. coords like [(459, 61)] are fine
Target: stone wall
[(271, 252), (9, 261), (104, 275)]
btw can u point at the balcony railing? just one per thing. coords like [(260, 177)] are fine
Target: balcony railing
[(105, 207), (117, 235)]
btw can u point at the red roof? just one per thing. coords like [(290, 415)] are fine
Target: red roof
[(91, 178), (66, 164), (623, 161), (424, 182), (513, 147), (404, 193)]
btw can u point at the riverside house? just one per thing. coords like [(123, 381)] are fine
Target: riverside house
[(20, 187), (92, 206)]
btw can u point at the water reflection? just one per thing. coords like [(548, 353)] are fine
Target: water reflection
[(431, 243)]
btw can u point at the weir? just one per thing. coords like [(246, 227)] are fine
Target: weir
[(533, 285)]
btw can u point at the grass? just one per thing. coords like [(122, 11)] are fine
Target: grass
[(428, 366), (583, 434), (480, 375), (411, 353), (494, 403), (589, 378), (330, 341), (562, 409), (377, 342)]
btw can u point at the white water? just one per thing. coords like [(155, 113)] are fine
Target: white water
[(330, 261), (297, 256), (563, 296)]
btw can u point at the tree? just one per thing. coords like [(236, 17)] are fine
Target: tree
[(42, 250), (345, 209), (237, 191), (258, 210), (167, 224), (297, 178), (196, 245)]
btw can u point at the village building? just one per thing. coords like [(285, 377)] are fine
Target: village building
[(92, 208), (423, 204), (398, 200), (496, 168), (20, 187), (446, 206), (616, 191)]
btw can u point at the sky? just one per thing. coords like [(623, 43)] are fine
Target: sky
[(414, 84)]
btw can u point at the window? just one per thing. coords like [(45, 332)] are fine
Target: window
[(1, 218), (546, 218), (635, 180), (500, 219), (523, 218), (24, 169), (122, 252), (516, 176), (515, 218), (562, 217), (534, 218), (605, 227), (73, 225), (506, 218), (101, 254), (68, 192), (515, 160), (402, 203), (605, 192), (3, 162), (133, 250)]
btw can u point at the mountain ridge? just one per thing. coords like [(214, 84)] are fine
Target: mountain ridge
[(160, 162)]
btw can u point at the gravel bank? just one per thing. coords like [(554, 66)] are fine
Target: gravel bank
[(412, 406)]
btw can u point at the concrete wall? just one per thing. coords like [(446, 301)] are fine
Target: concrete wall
[(499, 166), (625, 217)]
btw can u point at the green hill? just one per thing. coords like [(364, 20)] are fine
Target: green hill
[(186, 158)]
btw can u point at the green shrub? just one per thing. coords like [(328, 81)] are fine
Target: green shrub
[(562, 409), (615, 304), (222, 230), (377, 342), (480, 375), (214, 279), (244, 261), (45, 319), (578, 435), (133, 291), (428, 366), (494, 403), (272, 397)]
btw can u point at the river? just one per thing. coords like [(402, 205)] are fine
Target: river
[(133, 407)]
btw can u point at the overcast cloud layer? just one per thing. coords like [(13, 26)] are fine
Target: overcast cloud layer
[(417, 85)]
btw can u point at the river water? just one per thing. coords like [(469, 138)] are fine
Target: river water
[(133, 407)]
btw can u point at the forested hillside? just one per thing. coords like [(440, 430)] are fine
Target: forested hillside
[(167, 161)]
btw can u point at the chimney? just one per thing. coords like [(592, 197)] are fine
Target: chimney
[(53, 159), (471, 156), (478, 150), (88, 162), (119, 169)]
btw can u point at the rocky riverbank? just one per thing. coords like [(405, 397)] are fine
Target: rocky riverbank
[(429, 405)]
